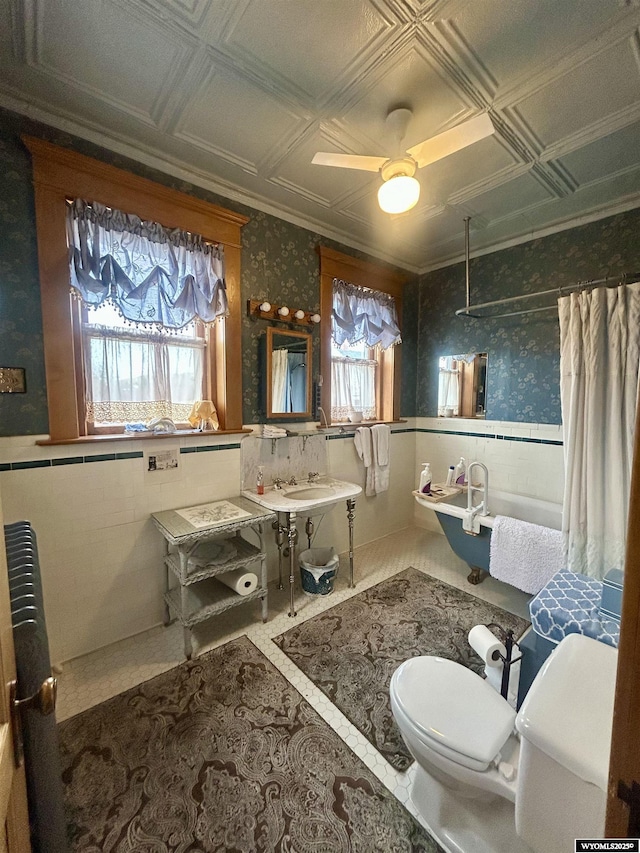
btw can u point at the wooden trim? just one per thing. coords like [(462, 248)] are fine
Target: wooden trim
[(60, 174), (625, 742), (334, 264)]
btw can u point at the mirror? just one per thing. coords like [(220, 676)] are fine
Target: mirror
[(462, 385), (288, 374)]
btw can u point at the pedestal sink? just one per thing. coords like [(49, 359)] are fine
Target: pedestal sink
[(307, 499)]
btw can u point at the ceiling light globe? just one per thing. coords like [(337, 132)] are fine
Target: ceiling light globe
[(399, 194)]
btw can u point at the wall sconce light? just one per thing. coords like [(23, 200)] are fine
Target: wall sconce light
[(267, 311)]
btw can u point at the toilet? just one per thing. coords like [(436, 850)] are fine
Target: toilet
[(488, 780)]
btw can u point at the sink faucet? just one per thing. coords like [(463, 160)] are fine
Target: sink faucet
[(321, 412), (293, 482), (277, 483), (313, 477)]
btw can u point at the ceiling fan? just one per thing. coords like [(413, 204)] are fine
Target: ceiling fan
[(400, 191)]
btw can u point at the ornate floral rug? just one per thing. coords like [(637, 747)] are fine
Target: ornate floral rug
[(351, 650), (223, 754)]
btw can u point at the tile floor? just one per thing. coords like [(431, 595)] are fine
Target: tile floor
[(86, 681)]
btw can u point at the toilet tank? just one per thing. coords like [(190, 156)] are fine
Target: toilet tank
[(565, 727)]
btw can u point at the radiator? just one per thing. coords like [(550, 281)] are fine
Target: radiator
[(33, 666)]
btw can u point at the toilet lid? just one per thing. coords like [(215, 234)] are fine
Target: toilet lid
[(452, 707)]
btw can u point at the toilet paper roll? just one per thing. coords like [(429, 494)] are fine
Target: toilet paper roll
[(239, 581), (486, 645)]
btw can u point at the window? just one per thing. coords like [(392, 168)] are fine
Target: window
[(61, 174), (354, 379), (135, 375), (356, 374)]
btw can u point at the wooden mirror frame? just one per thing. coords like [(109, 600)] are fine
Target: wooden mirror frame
[(272, 331)]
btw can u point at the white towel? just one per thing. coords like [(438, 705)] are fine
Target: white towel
[(362, 442), (525, 555), (380, 452)]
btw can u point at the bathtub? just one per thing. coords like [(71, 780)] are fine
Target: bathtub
[(474, 550)]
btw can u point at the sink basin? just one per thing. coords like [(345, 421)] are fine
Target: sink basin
[(313, 493), (308, 499)]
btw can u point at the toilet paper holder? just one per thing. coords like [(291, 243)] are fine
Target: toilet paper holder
[(506, 638)]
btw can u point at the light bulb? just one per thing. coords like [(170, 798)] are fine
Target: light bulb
[(265, 307), (284, 311), (399, 194), (315, 318), (299, 315)]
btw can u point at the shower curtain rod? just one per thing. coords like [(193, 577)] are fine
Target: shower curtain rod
[(608, 281)]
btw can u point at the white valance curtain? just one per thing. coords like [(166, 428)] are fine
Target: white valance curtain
[(153, 274), (599, 359), (360, 314)]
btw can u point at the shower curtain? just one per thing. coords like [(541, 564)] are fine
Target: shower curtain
[(599, 356), (280, 380)]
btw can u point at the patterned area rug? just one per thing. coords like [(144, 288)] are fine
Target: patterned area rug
[(351, 651), (223, 754)]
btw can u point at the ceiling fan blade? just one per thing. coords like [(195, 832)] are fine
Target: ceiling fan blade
[(349, 161), (452, 140)]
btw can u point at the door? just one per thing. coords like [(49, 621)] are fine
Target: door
[(623, 812), (13, 792)]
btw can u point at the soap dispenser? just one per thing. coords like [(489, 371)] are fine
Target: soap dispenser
[(461, 472), (425, 478)]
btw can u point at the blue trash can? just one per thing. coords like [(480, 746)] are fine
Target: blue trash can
[(318, 569)]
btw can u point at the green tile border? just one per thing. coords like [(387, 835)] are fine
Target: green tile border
[(497, 436), (208, 448)]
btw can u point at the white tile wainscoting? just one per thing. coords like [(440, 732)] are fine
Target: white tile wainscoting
[(101, 556)]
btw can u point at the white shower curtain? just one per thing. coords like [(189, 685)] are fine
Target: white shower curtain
[(279, 380), (599, 356)]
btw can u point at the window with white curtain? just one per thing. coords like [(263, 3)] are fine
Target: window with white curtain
[(363, 323), (134, 375), (147, 294)]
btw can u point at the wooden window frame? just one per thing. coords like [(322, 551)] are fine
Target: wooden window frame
[(335, 264), (59, 174)]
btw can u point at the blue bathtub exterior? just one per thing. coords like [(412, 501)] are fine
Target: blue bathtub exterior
[(474, 550)]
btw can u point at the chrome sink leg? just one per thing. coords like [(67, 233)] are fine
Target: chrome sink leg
[(292, 536), (279, 529), (351, 507)]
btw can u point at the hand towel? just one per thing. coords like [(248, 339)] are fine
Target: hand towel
[(380, 439), (525, 555), (362, 442), (380, 453)]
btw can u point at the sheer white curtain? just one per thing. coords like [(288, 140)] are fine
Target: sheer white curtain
[(280, 380), (135, 377), (353, 388), (599, 357), (448, 385)]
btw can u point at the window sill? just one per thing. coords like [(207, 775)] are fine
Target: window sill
[(136, 436)]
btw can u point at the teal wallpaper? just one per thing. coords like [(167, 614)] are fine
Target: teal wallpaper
[(524, 357), (279, 261)]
